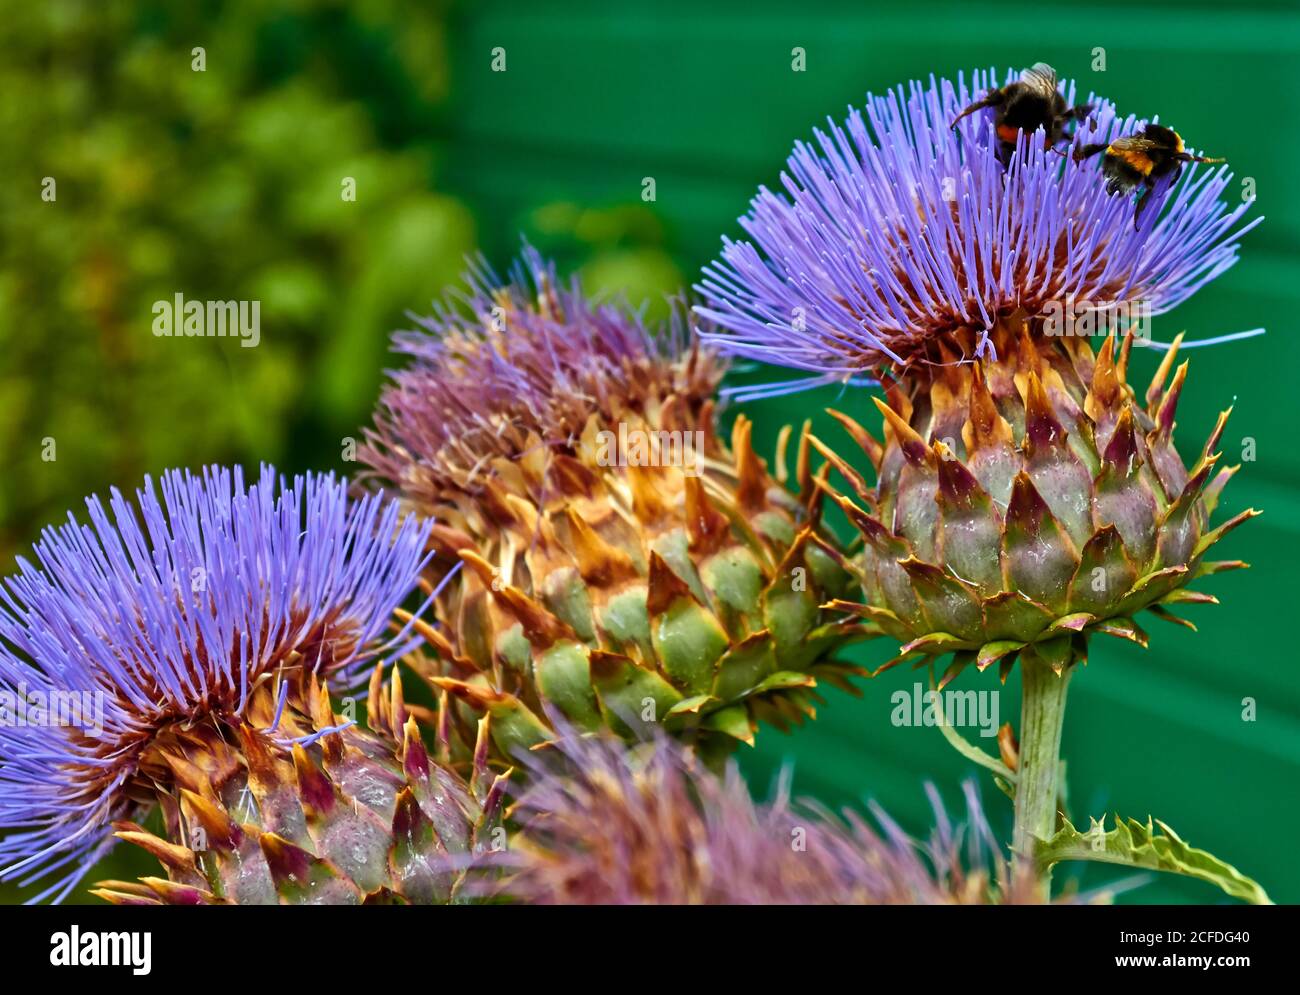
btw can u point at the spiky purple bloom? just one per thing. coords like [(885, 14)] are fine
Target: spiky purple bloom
[(895, 230), (170, 611), (606, 825), (502, 367)]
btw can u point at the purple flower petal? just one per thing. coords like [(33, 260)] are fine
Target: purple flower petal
[(169, 609), (895, 228)]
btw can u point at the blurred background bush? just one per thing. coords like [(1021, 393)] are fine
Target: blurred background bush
[(226, 183)]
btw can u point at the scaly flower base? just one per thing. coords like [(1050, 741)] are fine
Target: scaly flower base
[(290, 804), (1030, 502)]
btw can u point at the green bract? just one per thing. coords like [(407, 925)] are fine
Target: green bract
[(1024, 504), (644, 594), (317, 813)]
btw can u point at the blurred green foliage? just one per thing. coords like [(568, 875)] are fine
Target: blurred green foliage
[(221, 183)]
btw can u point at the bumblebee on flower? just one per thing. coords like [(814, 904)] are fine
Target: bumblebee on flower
[(1027, 496)]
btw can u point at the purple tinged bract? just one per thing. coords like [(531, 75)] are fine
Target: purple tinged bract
[(168, 611), (895, 228), (504, 366)]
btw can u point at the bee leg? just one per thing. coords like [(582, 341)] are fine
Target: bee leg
[(991, 99), (1068, 123), (1082, 152)]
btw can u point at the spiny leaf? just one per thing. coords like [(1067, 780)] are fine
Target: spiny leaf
[(624, 689), (1154, 846)]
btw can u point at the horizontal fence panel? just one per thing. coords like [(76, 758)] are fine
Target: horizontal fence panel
[(717, 89)]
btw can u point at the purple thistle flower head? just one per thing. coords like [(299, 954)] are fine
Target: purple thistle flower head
[(901, 241), (505, 368), (167, 613), (602, 824)]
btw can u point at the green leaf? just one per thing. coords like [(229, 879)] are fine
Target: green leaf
[(732, 721), (785, 679), (991, 653), (564, 678), (1136, 845), (735, 577), (624, 690), (690, 705), (689, 641), (743, 667)]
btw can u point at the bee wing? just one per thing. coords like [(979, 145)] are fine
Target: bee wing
[(1134, 143), (1040, 78)]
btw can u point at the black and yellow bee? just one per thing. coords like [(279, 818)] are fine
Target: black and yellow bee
[(1030, 103), (1151, 160)]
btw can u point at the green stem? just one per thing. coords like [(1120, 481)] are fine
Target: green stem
[(1042, 713)]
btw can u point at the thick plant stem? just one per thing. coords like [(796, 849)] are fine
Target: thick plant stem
[(1041, 716)]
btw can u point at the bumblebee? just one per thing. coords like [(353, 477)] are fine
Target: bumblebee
[(1030, 103), (1151, 160)]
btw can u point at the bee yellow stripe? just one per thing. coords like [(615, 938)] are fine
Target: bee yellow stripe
[(1138, 160)]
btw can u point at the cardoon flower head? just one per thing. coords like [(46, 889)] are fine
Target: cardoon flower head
[(616, 551), (504, 369), (604, 825), (175, 622), (1026, 496), (901, 242)]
